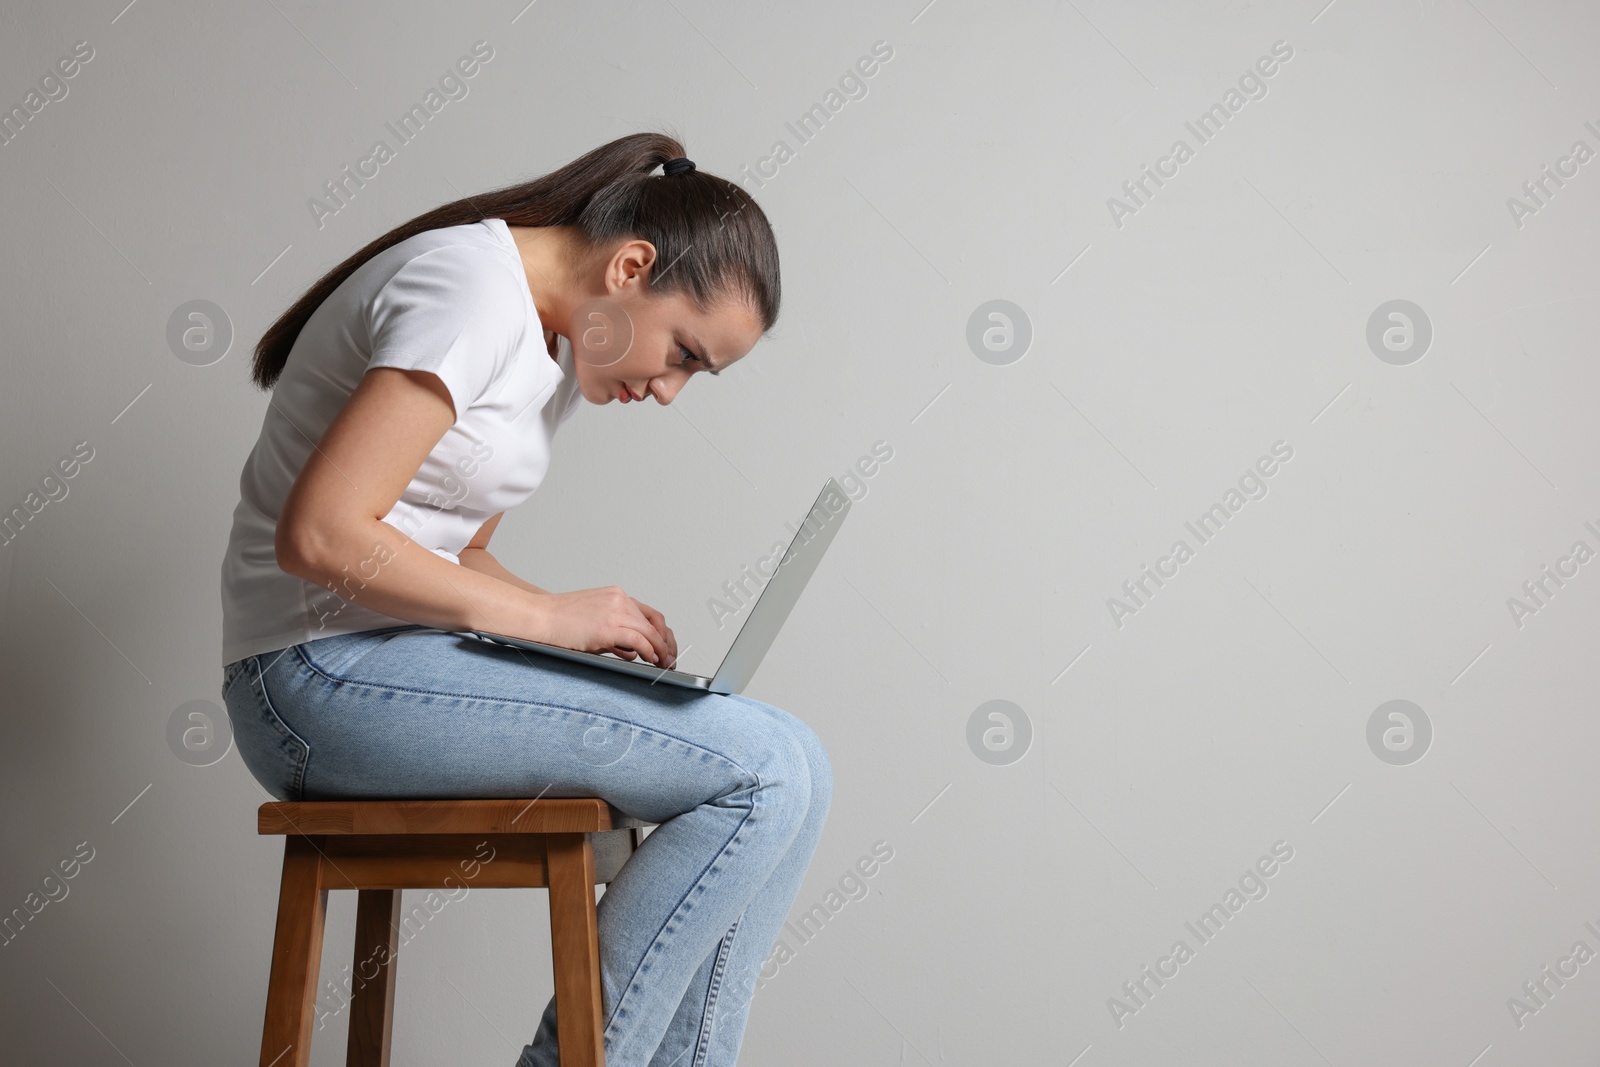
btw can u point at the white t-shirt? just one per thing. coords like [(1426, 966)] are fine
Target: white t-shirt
[(454, 301)]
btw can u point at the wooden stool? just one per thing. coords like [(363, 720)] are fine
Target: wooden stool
[(380, 847)]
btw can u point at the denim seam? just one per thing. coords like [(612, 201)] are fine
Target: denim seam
[(274, 662), (655, 942), (301, 760), (384, 687), (229, 683), (703, 1044)]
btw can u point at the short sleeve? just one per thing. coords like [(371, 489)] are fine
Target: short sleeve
[(455, 311)]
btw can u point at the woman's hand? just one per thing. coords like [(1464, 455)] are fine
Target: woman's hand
[(659, 621), (607, 619)]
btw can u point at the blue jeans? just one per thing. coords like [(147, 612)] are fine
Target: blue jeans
[(740, 790)]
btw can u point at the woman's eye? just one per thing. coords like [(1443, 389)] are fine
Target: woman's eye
[(687, 355)]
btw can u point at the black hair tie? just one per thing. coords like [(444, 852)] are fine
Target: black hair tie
[(677, 166)]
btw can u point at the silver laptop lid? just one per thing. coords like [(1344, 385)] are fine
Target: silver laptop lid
[(783, 589)]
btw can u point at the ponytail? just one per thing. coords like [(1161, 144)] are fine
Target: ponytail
[(715, 239)]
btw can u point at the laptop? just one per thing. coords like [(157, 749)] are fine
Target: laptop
[(761, 623)]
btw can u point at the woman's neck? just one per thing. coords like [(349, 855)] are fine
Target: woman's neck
[(546, 252)]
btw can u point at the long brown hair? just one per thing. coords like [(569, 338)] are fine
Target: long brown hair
[(715, 240)]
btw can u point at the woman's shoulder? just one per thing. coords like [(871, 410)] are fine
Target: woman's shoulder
[(451, 271), (469, 246)]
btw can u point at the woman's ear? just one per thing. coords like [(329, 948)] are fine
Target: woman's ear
[(632, 261)]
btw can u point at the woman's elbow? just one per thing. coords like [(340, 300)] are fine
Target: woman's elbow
[(299, 550)]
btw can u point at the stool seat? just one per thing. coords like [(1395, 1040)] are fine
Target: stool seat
[(543, 816), (379, 847)]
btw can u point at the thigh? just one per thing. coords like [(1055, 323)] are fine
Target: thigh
[(420, 712)]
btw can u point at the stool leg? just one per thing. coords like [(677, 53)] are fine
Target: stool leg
[(575, 946), (296, 954), (373, 972)]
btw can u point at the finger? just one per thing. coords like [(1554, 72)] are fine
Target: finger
[(659, 621), (629, 635), (649, 628), (651, 644), (632, 645)]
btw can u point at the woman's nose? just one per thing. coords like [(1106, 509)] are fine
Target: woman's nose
[(665, 389)]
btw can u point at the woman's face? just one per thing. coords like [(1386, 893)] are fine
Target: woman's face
[(628, 345)]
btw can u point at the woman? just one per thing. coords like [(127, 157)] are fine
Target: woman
[(415, 390)]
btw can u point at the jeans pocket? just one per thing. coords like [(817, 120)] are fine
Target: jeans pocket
[(274, 754), (231, 673)]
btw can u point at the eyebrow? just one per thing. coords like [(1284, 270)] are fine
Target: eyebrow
[(700, 350)]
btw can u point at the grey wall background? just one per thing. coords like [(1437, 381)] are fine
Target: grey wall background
[(1169, 353)]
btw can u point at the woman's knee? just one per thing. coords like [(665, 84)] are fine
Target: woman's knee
[(778, 785), (817, 761), (801, 738)]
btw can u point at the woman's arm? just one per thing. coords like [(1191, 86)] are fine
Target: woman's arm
[(332, 532), (476, 555)]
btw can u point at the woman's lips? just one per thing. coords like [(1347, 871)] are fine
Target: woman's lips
[(623, 394)]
